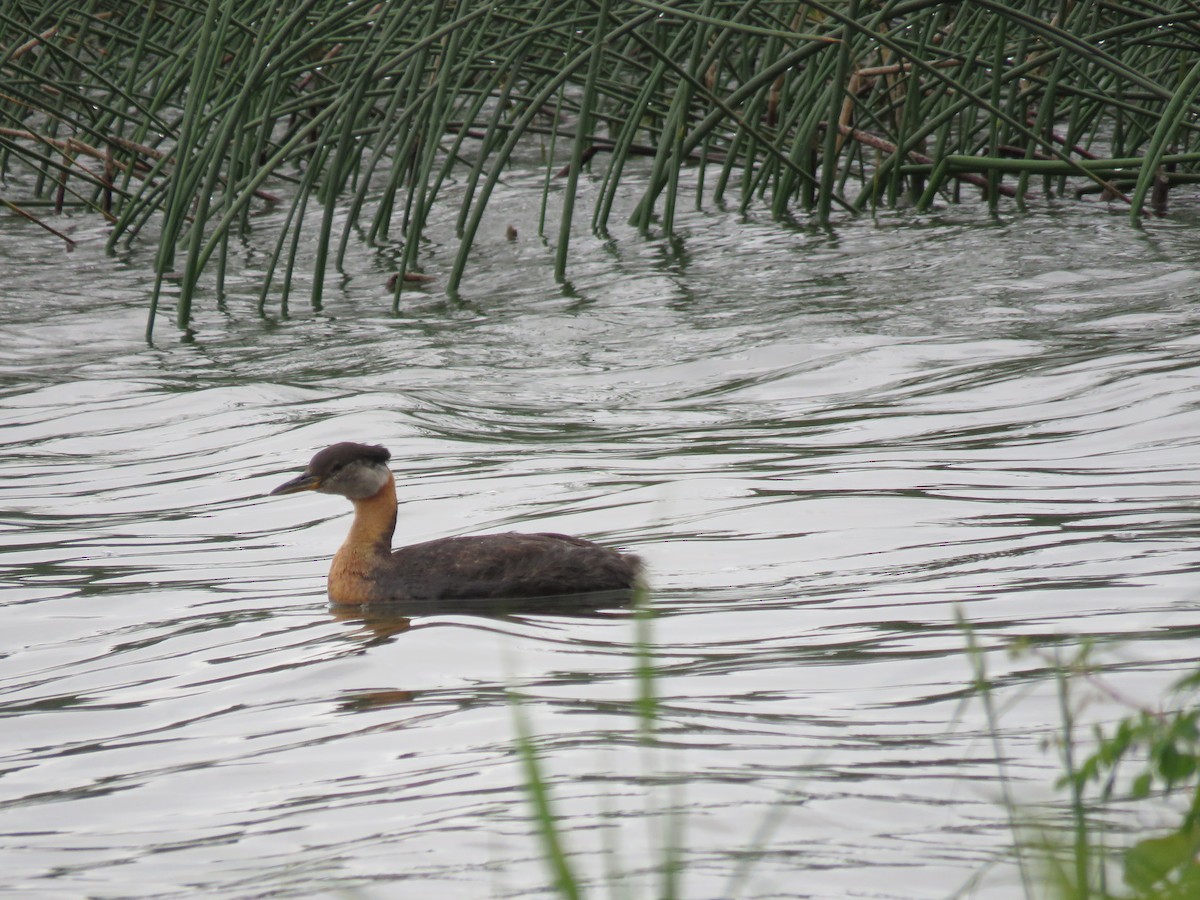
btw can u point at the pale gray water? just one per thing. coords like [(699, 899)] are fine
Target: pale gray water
[(823, 445)]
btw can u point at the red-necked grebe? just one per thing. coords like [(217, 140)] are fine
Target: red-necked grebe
[(510, 565)]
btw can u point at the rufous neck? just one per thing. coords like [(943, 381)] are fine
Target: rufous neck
[(375, 519)]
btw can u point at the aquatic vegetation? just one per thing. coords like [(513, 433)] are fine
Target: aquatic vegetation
[(1148, 758), (178, 122)]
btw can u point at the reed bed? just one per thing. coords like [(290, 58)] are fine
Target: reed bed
[(178, 120)]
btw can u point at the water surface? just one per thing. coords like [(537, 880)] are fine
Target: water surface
[(826, 446)]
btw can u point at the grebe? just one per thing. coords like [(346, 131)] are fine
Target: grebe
[(367, 570)]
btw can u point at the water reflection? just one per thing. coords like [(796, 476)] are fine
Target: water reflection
[(824, 453), (385, 620), (379, 628)]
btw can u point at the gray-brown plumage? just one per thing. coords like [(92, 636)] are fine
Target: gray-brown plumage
[(508, 565)]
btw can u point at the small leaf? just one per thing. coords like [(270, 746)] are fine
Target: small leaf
[(1150, 861), (1141, 786), (1174, 765)]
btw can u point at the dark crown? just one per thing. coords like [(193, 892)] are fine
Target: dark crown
[(334, 457)]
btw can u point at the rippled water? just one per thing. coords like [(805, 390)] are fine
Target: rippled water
[(824, 445)]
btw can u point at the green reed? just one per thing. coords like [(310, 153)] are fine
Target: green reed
[(669, 841), (565, 879), (178, 122)]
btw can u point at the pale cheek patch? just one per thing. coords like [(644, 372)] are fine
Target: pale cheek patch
[(358, 481)]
